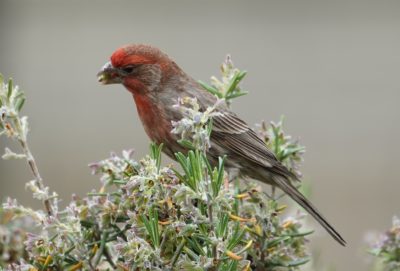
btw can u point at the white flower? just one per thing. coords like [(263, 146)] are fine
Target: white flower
[(8, 154), (40, 194)]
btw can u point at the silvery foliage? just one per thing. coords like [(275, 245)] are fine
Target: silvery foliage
[(149, 217)]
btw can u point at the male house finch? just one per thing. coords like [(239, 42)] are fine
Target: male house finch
[(156, 82)]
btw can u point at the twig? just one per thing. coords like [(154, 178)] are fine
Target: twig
[(32, 164), (214, 246), (101, 249), (107, 254), (178, 252)]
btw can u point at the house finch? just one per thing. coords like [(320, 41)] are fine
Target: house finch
[(156, 82)]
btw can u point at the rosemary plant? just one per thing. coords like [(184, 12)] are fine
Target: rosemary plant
[(152, 217)]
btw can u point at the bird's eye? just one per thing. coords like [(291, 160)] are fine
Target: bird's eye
[(128, 69)]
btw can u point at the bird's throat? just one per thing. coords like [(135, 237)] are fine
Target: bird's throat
[(155, 125), (134, 86), (144, 107)]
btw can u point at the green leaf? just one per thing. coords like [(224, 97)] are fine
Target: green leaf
[(151, 225), (211, 89), (298, 262), (231, 266), (241, 75), (209, 127), (293, 263), (236, 203), (222, 226), (19, 103), (291, 150), (195, 162), (191, 254), (203, 227), (116, 181), (186, 144), (237, 235), (155, 154), (235, 95), (275, 241), (87, 223), (218, 176), (194, 245), (188, 179), (203, 210), (207, 163), (183, 162), (178, 252), (233, 84), (178, 174), (10, 88), (19, 94)]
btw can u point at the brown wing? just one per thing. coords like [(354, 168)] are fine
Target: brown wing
[(238, 139)]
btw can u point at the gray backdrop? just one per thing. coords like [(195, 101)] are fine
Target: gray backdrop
[(332, 68)]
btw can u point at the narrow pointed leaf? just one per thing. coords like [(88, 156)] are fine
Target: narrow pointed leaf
[(235, 95), (211, 89), (19, 104), (10, 88)]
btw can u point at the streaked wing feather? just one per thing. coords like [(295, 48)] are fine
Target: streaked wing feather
[(238, 138)]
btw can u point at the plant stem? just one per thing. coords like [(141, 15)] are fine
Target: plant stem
[(210, 208), (163, 240), (32, 164), (214, 246), (108, 256), (101, 249), (178, 252)]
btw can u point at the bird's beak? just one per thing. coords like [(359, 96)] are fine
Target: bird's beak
[(109, 75)]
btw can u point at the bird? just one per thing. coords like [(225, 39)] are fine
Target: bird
[(156, 82)]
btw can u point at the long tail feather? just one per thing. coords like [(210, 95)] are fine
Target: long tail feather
[(292, 191)]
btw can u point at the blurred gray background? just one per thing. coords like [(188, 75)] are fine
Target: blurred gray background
[(332, 68)]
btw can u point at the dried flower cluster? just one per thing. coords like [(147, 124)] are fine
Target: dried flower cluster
[(149, 217)]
